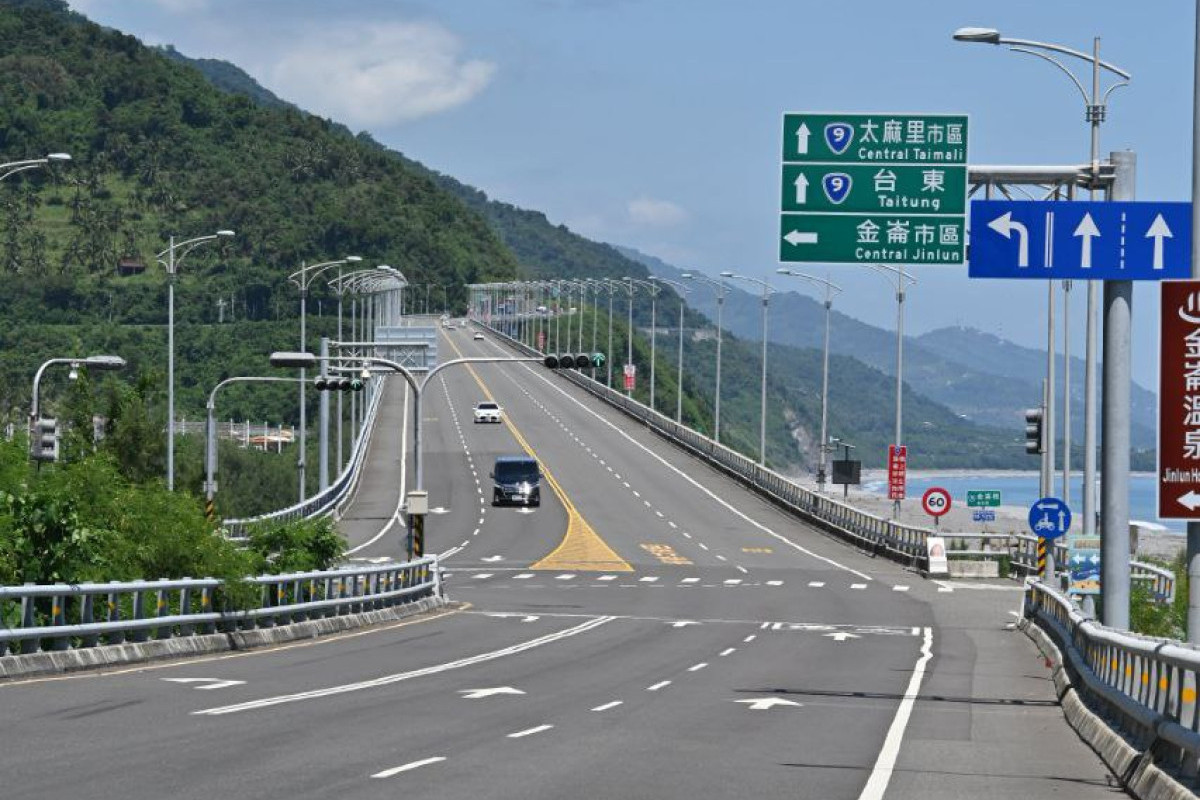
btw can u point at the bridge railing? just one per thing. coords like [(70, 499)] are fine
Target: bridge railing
[(335, 495), (61, 616), (906, 543), (1144, 686)]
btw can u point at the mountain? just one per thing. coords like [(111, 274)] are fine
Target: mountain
[(230, 78)]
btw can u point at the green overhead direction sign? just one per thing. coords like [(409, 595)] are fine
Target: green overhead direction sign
[(874, 188)]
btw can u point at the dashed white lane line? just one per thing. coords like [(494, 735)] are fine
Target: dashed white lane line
[(607, 578), (697, 667), (741, 569), (774, 583), (687, 535), (733, 581), (567, 577), (648, 579), (387, 773), (658, 686), (690, 580), (727, 651), (530, 731), (816, 584), (482, 575), (722, 558), (899, 588), (750, 638), (858, 586), (607, 706), (672, 524), (703, 546), (636, 493), (524, 576)]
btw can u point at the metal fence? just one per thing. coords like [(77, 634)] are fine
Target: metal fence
[(1145, 687), (330, 500), (70, 616), (896, 540)]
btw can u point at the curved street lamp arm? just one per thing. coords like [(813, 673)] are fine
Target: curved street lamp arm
[(305, 275), (212, 396), (1060, 65), (1058, 48), (816, 279)]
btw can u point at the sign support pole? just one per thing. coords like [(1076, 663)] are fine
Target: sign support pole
[(1114, 457), (1193, 528)]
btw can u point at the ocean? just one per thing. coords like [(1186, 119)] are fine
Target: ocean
[(1021, 489)]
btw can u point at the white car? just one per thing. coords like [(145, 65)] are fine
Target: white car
[(487, 411), (478, 336)]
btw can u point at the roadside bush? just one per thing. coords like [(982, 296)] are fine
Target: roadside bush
[(302, 546)]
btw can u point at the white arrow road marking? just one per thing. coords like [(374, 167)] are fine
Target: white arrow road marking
[(1086, 231), (476, 694), (512, 615), (387, 680), (801, 184), (387, 773), (802, 134), (1005, 226), (801, 237), (767, 703), (842, 636), (212, 683), (1190, 501), (1158, 231)]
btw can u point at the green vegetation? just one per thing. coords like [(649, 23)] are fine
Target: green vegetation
[(1160, 619)]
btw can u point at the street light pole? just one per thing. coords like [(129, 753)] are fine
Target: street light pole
[(720, 288), (830, 288), (104, 362), (629, 332), (13, 167), (762, 403), (681, 290), (172, 265)]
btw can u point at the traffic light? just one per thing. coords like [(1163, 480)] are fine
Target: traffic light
[(43, 442), (334, 384), (1033, 431), (569, 361)]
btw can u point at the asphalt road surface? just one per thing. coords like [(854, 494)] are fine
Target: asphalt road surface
[(653, 630)]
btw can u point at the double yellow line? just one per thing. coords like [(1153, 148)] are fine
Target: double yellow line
[(581, 549)]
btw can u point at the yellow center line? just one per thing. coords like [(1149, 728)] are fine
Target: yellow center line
[(581, 549)]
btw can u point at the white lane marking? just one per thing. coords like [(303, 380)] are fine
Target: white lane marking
[(403, 477), (877, 783), (858, 586), (672, 524), (607, 706), (530, 731), (899, 588), (741, 569), (211, 683), (687, 535), (646, 503), (703, 546), (749, 638), (625, 482), (524, 576), (387, 773), (727, 651), (690, 580), (648, 579), (774, 583), (944, 590), (697, 667), (658, 686), (607, 578), (733, 581), (816, 584), (659, 513), (480, 521), (481, 575), (404, 676), (693, 481), (567, 577), (722, 558)]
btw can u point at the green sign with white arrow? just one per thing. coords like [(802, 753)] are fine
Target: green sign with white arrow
[(873, 188)]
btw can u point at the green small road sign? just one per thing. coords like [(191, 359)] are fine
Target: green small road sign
[(983, 498), (597, 360), (871, 239), (873, 188)]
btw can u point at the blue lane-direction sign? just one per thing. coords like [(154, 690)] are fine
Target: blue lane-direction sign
[(1049, 517), (1052, 240)]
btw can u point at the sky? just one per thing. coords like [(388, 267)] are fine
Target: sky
[(656, 124)]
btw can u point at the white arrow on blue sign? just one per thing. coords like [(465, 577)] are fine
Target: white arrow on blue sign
[(1053, 240), (1049, 517)]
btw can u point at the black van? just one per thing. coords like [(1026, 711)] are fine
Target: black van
[(516, 479)]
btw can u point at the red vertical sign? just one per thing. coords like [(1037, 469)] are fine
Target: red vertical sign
[(897, 468), (541, 341), (630, 376), (1179, 402)]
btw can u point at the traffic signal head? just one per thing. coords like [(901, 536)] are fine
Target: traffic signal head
[(551, 361), (321, 383), (582, 361), (355, 384), (1033, 431), (43, 442)]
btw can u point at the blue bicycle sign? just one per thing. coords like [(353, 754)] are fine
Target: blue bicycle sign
[(1049, 517)]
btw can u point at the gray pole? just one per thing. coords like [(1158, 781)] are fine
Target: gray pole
[(303, 440), (610, 352), (1193, 528), (1051, 439), (679, 368), (717, 402), (171, 366), (629, 337), (354, 336), (323, 422), (1066, 463), (582, 289), (762, 393), (1114, 463), (1091, 345), (340, 462), (825, 392), (653, 338)]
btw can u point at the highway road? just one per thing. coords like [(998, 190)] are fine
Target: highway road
[(652, 630)]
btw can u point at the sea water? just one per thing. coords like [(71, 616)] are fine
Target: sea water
[(1021, 489)]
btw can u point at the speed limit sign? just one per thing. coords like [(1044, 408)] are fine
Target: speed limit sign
[(935, 501)]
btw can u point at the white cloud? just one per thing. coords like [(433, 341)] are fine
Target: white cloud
[(379, 75), (656, 213)]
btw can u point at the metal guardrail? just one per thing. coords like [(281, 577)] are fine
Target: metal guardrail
[(906, 543), (71, 616), (1144, 686), (330, 500)]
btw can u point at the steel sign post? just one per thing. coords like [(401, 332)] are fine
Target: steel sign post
[(873, 188), (1179, 402)]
